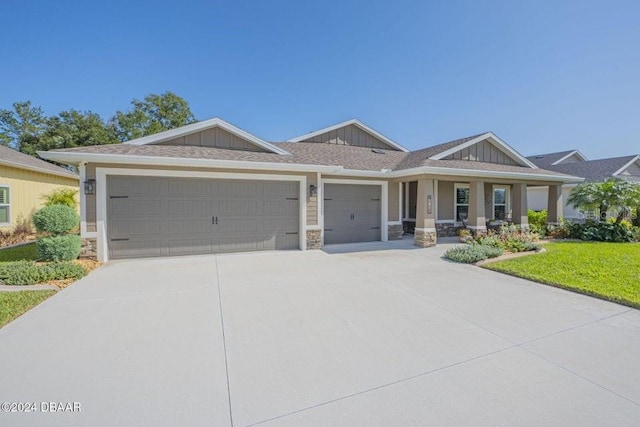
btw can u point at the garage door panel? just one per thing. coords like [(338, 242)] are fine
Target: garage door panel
[(192, 246), (135, 227), (131, 206), (191, 207), (141, 186), (187, 186), (192, 226), (175, 216), (352, 213), (234, 207), (135, 248)]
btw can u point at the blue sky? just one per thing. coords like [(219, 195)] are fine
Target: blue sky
[(544, 75)]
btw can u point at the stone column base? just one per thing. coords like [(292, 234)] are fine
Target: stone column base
[(89, 248), (395, 232), (314, 239), (425, 237)]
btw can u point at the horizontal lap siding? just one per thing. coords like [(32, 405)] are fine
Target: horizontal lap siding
[(27, 188)]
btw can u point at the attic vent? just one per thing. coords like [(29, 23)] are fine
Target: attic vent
[(375, 150), (539, 157)]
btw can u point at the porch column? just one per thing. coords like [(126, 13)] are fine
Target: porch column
[(477, 218), (554, 205), (519, 205), (425, 234)]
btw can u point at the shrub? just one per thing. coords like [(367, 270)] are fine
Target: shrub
[(636, 233), (61, 196), (538, 221), (24, 226), (59, 248), (30, 273), (472, 253), (56, 219), (605, 232), (509, 238)]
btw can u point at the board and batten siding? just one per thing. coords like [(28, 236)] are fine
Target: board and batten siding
[(27, 187), (216, 137), (90, 200), (350, 135), (483, 151), (633, 170)]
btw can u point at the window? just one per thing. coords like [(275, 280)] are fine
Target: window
[(4, 205), (500, 202), (462, 202)]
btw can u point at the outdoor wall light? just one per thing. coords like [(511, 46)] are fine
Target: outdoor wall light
[(429, 204), (313, 190), (90, 186)]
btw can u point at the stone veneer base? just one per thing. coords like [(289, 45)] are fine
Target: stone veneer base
[(314, 239), (395, 232), (424, 239)]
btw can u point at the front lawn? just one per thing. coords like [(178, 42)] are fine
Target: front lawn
[(13, 304), (609, 271), (18, 253)]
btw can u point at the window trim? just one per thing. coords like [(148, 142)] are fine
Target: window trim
[(455, 200), (8, 205), (507, 200)]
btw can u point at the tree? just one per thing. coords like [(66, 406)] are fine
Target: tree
[(70, 129), (24, 122), (156, 113), (615, 195)]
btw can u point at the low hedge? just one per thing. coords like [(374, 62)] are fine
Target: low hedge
[(30, 273), (472, 253)]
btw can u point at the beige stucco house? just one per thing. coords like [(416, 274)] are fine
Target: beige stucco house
[(211, 187), (23, 181)]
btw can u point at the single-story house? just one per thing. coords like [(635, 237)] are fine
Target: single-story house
[(23, 181), (573, 162), (211, 187)]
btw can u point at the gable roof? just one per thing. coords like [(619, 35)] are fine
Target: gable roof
[(596, 170), (392, 144), (326, 158), (15, 159), (204, 125), (552, 159), (446, 149)]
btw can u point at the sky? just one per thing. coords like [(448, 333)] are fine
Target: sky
[(543, 75)]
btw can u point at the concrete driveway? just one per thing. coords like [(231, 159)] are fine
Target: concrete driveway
[(379, 334)]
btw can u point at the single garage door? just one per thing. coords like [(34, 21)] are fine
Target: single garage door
[(351, 213), (156, 216)]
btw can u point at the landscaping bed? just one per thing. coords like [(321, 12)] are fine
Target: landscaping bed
[(610, 271)]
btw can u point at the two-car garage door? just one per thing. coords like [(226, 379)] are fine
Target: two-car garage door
[(153, 216)]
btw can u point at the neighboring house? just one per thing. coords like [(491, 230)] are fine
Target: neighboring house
[(575, 163), (23, 180), (211, 187)]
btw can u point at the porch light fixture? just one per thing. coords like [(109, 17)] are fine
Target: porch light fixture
[(90, 186), (313, 190), (429, 204)]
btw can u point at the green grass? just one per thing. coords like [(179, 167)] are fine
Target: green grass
[(609, 271), (13, 304), (18, 253)]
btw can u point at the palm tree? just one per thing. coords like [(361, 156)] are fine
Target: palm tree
[(614, 195)]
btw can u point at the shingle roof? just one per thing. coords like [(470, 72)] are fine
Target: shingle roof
[(16, 159), (546, 161), (349, 157), (593, 170)]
